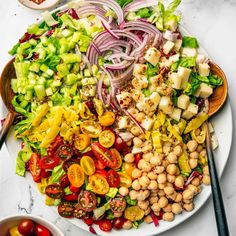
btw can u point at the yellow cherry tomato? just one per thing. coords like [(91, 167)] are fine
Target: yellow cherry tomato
[(92, 128), (98, 184), (125, 180), (87, 164), (117, 155), (134, 213), (107, 118), (81, 141), (76, 175), (106, 138), (14, 231), (128, 168)]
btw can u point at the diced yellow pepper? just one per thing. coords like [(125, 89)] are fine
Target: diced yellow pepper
[(159, 121), (196, 122), (147, 135), (42, 185), (43, 109)]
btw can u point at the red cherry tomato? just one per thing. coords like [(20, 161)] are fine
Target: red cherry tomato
[(58, 141), (40, 230), (120, 144), (74, 189), (68, 163), (45, 174), (118, 204), (54, 191), (113, 178), (87, 201), (49, 162), (103, 173), (137, 158), (118, 222), (34, 167), (98, 164), (26, 227), (64, 151), (73, 197), (66, 209), (64, 181), (105, 225), (88, 221)]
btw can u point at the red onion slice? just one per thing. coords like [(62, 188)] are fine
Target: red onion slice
[(154, 219), (118, 66), (107, 28), (193, 175)]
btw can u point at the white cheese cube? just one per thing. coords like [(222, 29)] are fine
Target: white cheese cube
[(166, 105), (200, 58), (175, 80), (184, 73), (205, 90), (214, 142), (204, 69), (137, 95), (174, 58), (149, 104), (136, 150), (189, 52), (124, 99), (168, 35), (197, 93), (176, 114), (171, 25), (183, 101), (191, 111), (168, 46), (140, 105), (140, 82), (211, 128), (155, 97), (147, 123), (122, 122), (152, 55), (126, 136), (178, 44), (139, 69)]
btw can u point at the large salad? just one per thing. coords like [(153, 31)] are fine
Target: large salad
[(113, 102)]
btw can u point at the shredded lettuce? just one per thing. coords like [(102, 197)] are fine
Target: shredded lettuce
[(57, 172), (144, 12), (110, 215), (184, 62), (130, 201), (190, 42), (112, 192), (136, 224), (123, 3)]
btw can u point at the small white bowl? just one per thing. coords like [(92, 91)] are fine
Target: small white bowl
[(43, 6), (8, 222)]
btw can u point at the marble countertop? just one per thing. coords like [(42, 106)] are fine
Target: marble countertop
[(213, 23)]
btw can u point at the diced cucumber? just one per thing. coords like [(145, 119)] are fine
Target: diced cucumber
[(49, 91), (76, 37), (40, 91), (41, 80), (33, 42), (28, 95), (71, 58), (56, 83), (62, 70), (94, 69), (35, 67), (44, 68), (71, 79), (66, 32), (87, 73)]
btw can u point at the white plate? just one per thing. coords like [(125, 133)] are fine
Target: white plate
[(223, 125), (43, 6)]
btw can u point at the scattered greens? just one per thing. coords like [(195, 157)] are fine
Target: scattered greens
[(189, 42)]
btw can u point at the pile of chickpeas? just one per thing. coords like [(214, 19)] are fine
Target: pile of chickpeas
[(157, 183)]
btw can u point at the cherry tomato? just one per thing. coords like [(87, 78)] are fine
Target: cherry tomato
[(81, 141), (76, 175), (106, 138), (78, 212), (113, 178), (128, 168), (134, 213), (26, 227), (66, 209), (120, 144), (117, 155), (73, 197), (74, 189), (54, 191), (34, 167), (87, 200), (102, 172), (87, 164), (45, 174), (40, 230), (107, 119), (118, 204), (118, 222), (99, 184), (68, 163), (105, 225), (104, 155), (58, 141), (64, 181), (98, 164), (88, 221), (65, 151), (125, 180), (137, 158), (49, 162), (92, 128)]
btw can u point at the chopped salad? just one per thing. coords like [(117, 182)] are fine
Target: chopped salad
[(113, 103)]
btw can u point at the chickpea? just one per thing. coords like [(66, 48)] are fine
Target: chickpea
[(148, 219), (162, 186), (137, 142), (155, 207), (147, 148), (179, 181), (161, 193), (192, 145), (177, 150), (195, 181), (165, 163), (143, 194), (153, 185), (161, 179), (178, 197), (143, 204), (151, 175), (133, 111), (171, 169), (118, 214), (159, 169), (172, 196), (169, 190), (168, 208), (127, 224), (142, 137), (147, 156), (154, 192), (188, 194), (147, 211), (193, 188), (168, 216), (129, 158), (162, 202), (166, 148), (144, 165), (188, 207), (159, 156), (206, 179), (169, 184), (144, 181), (136, 185), (203, 153), (123, 191), (136, 173), (153, 200), (206, 170), (140, 116), (133, 194), (144, 173), (129, 143), (194, 155), (172, 158), (199, 148), (155, 161), (135, 131), (193, 163), (176, 208), (170, 178)]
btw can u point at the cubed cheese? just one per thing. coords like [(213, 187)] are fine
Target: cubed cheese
[(124, 99), (136, 150), (171, 25), (168, 35), (126, 136), (140, 105), (175, 81), (178, 44), (191, 111), (176, 114), (152, 55), (147, 123), (137, 95), (155, 97), (122, 122), (204, 69), (140, 82), (184, 73), (214, 142), (189, 52), (174, 58), (183, 101), (166, 105), (139, 69), (200, 58), (168, 46), (205, 90)]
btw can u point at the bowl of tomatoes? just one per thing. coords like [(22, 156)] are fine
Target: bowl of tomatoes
[(28, 225)]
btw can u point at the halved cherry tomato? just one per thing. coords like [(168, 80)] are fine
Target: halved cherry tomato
[(87, 164), (118, 222), (76, 175), (40, 230), (120, 144), (113, 178), (34, 167), (106, 138), (58, 141), (78, 212), (118, 204), (73, 197), (98, 164), (102, 172), (64, 151), (104, 155), (125, 180), (87, 200), (92, 128), (66, 209), (64, 181), (54, 191), (45, 174), (107, 119), (88, 221), (134, 213), (137, 158), (49, 162), (81, 141), (105, 225), (128, 168), (117, 155), (98, 184), (68, 163), (74, 189)]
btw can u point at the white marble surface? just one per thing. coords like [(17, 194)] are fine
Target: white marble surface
[(213, 23)]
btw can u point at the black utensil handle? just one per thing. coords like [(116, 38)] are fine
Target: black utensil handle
[(6, 126), (221, 220)]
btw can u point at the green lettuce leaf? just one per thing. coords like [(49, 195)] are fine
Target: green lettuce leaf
[(123, 3), (130, 201), (144, 12), (57, 172), (190, 42)]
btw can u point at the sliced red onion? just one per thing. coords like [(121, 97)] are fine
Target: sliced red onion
[(140, 50), (118, 66), (193, 175), (107, 28), (154, 219), (136, 5), (92, 230), (120, 55)]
